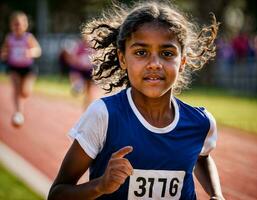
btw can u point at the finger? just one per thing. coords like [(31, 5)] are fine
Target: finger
[(118, 180), (124, 169), (119, 176), (120, 173), (120, 164), (122, 152)]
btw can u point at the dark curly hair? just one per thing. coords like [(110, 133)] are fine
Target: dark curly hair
[(109, 33)]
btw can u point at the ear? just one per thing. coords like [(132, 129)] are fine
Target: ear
[(182, 64), (122, 60)]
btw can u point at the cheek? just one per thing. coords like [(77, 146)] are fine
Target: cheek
[(134, 74), (173, 70), (132, 66), (176, 64)]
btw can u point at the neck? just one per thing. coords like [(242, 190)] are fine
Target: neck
[(18, 34), (159, 112)]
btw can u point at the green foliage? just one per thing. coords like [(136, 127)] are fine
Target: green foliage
[(13, 189)]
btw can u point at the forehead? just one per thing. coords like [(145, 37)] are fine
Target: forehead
[(19, 18), (153, 34)]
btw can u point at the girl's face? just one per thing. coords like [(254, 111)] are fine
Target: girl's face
[(153, 60), (19, 25)]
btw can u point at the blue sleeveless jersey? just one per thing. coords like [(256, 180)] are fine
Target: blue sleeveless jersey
[(173, 154)]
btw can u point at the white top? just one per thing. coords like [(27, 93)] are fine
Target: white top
[(90, 131)]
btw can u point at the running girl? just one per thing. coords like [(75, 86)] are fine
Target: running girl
[(143, 142), (18, 51)]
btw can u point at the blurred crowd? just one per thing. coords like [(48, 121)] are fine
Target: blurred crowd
[(241, 47), (236, 63)]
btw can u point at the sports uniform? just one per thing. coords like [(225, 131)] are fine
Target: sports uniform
[(163, 158), (17, 59)]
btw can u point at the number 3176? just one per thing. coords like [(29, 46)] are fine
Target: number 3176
[(163, 183)]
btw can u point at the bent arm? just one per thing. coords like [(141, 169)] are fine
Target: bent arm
[(74, 165), (207, 174), (35, 49)]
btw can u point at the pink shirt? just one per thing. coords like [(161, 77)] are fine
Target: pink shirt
[(82, 54), (17, 50)]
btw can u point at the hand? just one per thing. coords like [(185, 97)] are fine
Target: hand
[(118, 169), (32, 52)]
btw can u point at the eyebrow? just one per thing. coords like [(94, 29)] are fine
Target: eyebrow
[(141, 44)]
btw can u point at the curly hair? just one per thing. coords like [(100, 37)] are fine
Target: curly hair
[(109, 33)]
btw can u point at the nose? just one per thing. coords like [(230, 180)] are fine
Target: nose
[(154, 63)]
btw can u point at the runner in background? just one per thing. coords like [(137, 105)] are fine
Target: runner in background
[(18, 52), (77, 58)]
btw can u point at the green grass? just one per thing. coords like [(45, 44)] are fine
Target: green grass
[(53, 86), (12, 188), (235, 111)]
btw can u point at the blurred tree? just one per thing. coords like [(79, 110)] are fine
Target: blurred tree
[(251, 8), (63, 17)]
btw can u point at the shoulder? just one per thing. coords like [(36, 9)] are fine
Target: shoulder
[(116, 101), (192, 111), (8, 37), (95, 116), (90, 130), (8, 41), (30, 37), (96, 112), (97, 108), (29, 34)]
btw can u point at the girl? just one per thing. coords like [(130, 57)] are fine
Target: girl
[(143, 142), (18, 51)]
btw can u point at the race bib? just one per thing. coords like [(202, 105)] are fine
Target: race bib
[(155, 184), (19, 54)]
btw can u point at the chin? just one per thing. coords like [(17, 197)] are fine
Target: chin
[(154, 94)]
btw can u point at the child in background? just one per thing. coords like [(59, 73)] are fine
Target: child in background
[(143, 142), (19, 50), (80, 69)]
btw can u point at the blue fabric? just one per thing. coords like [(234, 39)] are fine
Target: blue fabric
[(176, 150)]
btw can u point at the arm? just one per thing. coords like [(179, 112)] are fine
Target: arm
[(76, 162), (207, 174), (35, 49), (74, 165), (4, 50)]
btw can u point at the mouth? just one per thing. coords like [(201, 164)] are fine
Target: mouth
[(153, 77)]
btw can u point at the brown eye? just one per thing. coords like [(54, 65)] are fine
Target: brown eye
[(141, 53), (167, 54)]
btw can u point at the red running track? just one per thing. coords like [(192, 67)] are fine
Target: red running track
[(43, 142)]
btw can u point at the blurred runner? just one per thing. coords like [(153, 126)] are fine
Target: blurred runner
[(18, 51), (80, 69)]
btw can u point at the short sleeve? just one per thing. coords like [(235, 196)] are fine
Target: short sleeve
[(90, 130), (212, 136)]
